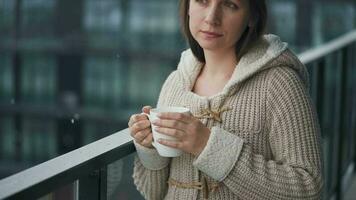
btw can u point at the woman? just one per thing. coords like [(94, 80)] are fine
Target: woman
[(252, 134)]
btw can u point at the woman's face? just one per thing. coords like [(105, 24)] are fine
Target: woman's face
[(218, 24)]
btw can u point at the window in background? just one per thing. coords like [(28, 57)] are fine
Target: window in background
[(7, 21), (94, 130), (37, 24), (153, 25), (6, 79), (38, 84), (158, 16), (144, 85), (7, 139), (283, 20), (39, 139), (102, 23), (103, 82), (332, 19), (306, 24)]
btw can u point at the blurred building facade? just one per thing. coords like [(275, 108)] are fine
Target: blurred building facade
[(72, 72)]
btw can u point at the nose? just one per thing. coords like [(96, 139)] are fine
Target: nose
[(213, 16)]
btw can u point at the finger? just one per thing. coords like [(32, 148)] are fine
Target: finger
[(171, 132), (170, 124), (136, 117), (146, 109), (171, 143), (132, 120), (140, 116), (183, 117), (140, 125), (141, 135), (147, 141)]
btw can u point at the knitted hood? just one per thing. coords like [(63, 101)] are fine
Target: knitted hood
[(266, 53)]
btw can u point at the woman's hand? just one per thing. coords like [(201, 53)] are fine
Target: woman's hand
[(191, 134), (140, 128)]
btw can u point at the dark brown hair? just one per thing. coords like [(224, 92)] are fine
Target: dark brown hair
[(258, 12)]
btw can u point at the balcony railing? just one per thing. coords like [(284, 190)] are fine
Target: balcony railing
[(332, 69), (87, 164)]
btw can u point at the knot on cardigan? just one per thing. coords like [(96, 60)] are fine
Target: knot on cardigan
[(203, 185), (212, 114)]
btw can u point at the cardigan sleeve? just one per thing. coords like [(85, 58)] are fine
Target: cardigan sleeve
[(295, 171), (151, 171), (152, 184)]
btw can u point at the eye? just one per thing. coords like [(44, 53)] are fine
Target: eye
[(231, 5), (202, 1)]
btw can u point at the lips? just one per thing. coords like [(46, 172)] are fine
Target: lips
[(210, 34)]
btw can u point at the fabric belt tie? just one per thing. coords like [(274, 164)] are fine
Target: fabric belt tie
[(212, 114), (203, 185)]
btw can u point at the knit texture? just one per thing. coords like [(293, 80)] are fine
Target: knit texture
[(264, 142)]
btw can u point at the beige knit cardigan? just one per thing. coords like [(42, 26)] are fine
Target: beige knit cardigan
[(264, 142)]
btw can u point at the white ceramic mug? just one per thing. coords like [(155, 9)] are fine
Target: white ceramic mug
[(163, 150)]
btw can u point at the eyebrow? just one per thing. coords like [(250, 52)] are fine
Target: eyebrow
[(237, 1)]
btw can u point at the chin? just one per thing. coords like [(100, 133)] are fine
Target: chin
[(209, 46)]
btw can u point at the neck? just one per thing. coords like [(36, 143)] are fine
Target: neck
[(219, 65)]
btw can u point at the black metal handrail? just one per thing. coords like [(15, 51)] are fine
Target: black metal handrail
[(93, 158), (330, 47)]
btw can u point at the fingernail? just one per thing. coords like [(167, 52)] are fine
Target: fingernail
[(156, 121), (159, 115)]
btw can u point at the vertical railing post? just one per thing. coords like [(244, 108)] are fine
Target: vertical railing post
[(340, 122), (93, 186), (353, 101), (103, 183), (318, 83), (88, 186)]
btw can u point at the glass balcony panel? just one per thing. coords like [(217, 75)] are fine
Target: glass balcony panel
[(328, 125), (119, 180), (68, 192)]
